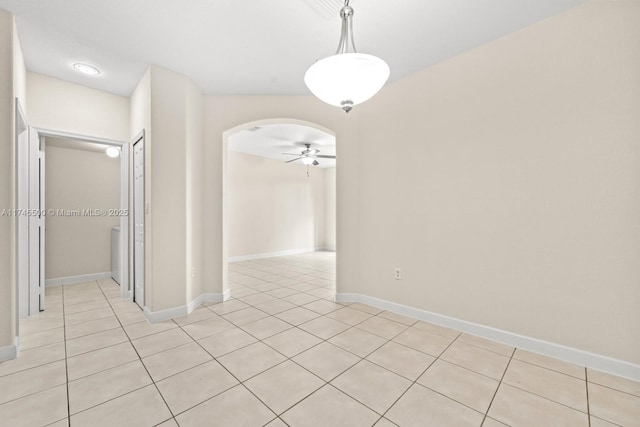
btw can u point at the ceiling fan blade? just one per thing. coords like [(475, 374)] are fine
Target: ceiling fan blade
[(290, 154), (293, 160), (322, 156)]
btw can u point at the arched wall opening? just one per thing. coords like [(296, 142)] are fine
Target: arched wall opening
[(295, 142)]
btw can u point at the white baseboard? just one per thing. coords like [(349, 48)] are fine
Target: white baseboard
[(11, 351), (183, 310), (209, 297), (77, 279), (557, 351), (167, 314), (272, 254)]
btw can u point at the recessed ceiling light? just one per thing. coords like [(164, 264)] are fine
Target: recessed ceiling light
[(86, 69), (113, 152)]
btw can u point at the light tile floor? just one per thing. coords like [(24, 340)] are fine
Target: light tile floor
[(279, 353)]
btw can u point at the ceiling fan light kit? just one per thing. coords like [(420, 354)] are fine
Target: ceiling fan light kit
[(309, 156), (308, 160), (347, 78)]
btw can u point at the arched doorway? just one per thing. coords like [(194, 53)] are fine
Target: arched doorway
[(280, 213)]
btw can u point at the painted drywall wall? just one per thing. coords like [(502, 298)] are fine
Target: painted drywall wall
[(12, 86), (168, 107), (7, 227), (140, 120), (140, 107), (274, 206), (19, 71), (330, 209), (19, 93), (194, 188), (511, 194), (58, 105), (167, 197), (78, 180)]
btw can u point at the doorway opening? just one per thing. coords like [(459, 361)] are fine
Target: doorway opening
[(76, 223), (279, 211)]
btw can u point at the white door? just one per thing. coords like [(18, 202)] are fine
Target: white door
[(35, 213), (138, 222)]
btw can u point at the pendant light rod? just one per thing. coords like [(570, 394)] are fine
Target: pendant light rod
[(346, 34)]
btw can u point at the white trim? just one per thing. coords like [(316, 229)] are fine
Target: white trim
[(77, 279), (209, 297), (183, 310), (70, 135), (273, 254), (167, 314), (557, 351), (9, 352)]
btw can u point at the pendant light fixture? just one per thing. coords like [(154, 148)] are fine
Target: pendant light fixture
[(347, 78)]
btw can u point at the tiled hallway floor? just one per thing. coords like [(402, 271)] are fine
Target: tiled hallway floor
[(278, 353)]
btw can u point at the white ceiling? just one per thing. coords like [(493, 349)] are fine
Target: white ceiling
[(272, 140), (252, 46)]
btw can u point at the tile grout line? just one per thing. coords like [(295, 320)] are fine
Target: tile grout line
[(350, 327), (141, 362), (66, 362), (409, 326), (372, 315), (132, 391), (486, 414), (104, 370), (414, 382), (175, 347), (225, 368), (230, 373), (287, 358)]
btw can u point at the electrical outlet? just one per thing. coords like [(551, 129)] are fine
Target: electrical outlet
[(193, 272), (397, 274)]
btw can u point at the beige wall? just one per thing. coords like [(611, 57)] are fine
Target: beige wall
[(506, 184), (19, 71), (76, 180), (12, 86), (274, 206), (140, 120), (330, 208), (167, 197), (168, 106), (7, 223), (54, 104), (194, 188)]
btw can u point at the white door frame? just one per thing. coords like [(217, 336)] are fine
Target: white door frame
[(35, 217), (124, 195), (136, 296)]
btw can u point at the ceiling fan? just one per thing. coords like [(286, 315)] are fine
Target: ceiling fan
[(309, 156)]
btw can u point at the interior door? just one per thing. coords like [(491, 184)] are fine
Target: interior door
[(138, 222), (36, 216)]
